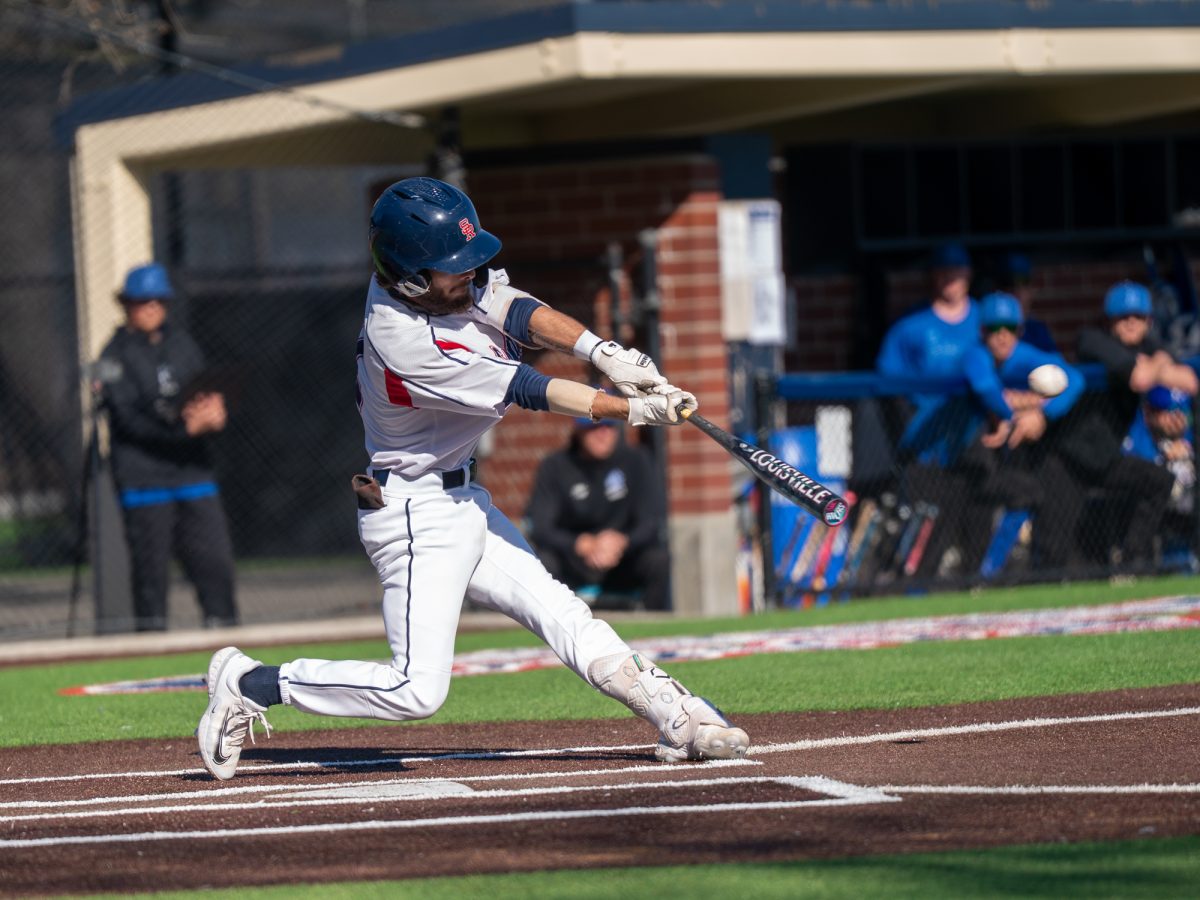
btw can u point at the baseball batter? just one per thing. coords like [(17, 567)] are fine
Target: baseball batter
[(439, 362)]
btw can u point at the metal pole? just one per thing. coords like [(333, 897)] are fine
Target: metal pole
[(91, 465), (764, 392), (649, 306), (446, 161), (615, 260), (1195, 481)]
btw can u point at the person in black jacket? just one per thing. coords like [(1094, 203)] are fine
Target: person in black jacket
[(596, 515), (160, 456), (1136, 361)]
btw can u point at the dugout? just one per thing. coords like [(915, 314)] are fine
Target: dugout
[(584, 125)]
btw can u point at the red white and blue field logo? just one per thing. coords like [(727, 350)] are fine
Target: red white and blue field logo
[(1163, 614)]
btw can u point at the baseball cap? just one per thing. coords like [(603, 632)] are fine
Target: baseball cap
[(1127, 298), (583, 423), (999, 308), (950, 255), (1017, 266), (1167, 398), (148, 282), (586, 423)]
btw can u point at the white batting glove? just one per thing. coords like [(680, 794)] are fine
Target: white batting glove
[(654, 409), (678, 397), (630, 370)]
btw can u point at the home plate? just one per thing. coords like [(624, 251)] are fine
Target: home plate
[(409, 790)]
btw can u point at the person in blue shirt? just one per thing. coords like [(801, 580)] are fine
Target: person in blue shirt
[(1010, 459), (1161, 433), (998, 372), (930, 343)]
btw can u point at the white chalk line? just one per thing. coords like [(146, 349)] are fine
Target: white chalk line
[(1022, 790), (324, 786), (251, 767), (707, 809), (842, 794), (978, 728), (816, 784), (813, 744)]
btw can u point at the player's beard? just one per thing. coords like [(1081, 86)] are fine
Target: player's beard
[(445, 301)]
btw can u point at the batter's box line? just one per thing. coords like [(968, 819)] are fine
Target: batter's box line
[(283, 788), (837, 794), (250, 768), (813, 744), (361, 793)]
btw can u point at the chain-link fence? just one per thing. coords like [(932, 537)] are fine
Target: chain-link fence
[(969, 514), (267, 257)]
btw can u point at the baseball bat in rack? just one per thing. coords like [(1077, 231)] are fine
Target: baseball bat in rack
[(810, 495)]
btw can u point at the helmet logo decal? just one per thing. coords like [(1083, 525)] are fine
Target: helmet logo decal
[(468, 230)]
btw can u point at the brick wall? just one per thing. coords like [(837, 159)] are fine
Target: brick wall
[(1068, 296), (825, 308), (556, 223)]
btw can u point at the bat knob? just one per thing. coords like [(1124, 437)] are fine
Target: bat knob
[(835, 512)]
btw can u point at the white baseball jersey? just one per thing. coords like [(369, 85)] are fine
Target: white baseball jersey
[(430, 386)]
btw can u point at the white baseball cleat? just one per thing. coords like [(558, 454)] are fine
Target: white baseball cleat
[(690, 726), (230, 716), (700, 731)]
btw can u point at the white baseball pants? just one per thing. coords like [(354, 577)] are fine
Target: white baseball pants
[(432, 547)]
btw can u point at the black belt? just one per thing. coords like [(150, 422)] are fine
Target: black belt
[(450, 480)]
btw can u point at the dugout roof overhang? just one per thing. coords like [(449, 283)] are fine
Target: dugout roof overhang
[(603, 71)]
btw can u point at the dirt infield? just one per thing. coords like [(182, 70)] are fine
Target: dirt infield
[(439, 799)]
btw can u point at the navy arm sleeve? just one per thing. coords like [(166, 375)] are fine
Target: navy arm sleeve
[(528, 389), (516, 323)]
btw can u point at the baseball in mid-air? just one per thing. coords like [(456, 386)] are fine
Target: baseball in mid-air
[(1048, 380)]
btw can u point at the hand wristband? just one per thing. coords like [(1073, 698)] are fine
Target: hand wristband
[(586, 345)]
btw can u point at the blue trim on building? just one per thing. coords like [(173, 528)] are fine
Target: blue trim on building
[(660, 17)]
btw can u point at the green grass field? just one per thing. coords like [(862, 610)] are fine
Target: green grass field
[(31, 712)]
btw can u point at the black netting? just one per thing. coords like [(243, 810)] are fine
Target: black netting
[(976, 516)]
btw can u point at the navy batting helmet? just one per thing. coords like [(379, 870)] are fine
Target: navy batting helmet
[(422, 224)]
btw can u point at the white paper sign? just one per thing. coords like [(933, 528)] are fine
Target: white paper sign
[(752, 284)]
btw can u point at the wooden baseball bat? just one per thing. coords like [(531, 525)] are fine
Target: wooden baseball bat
[(810, 495)]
